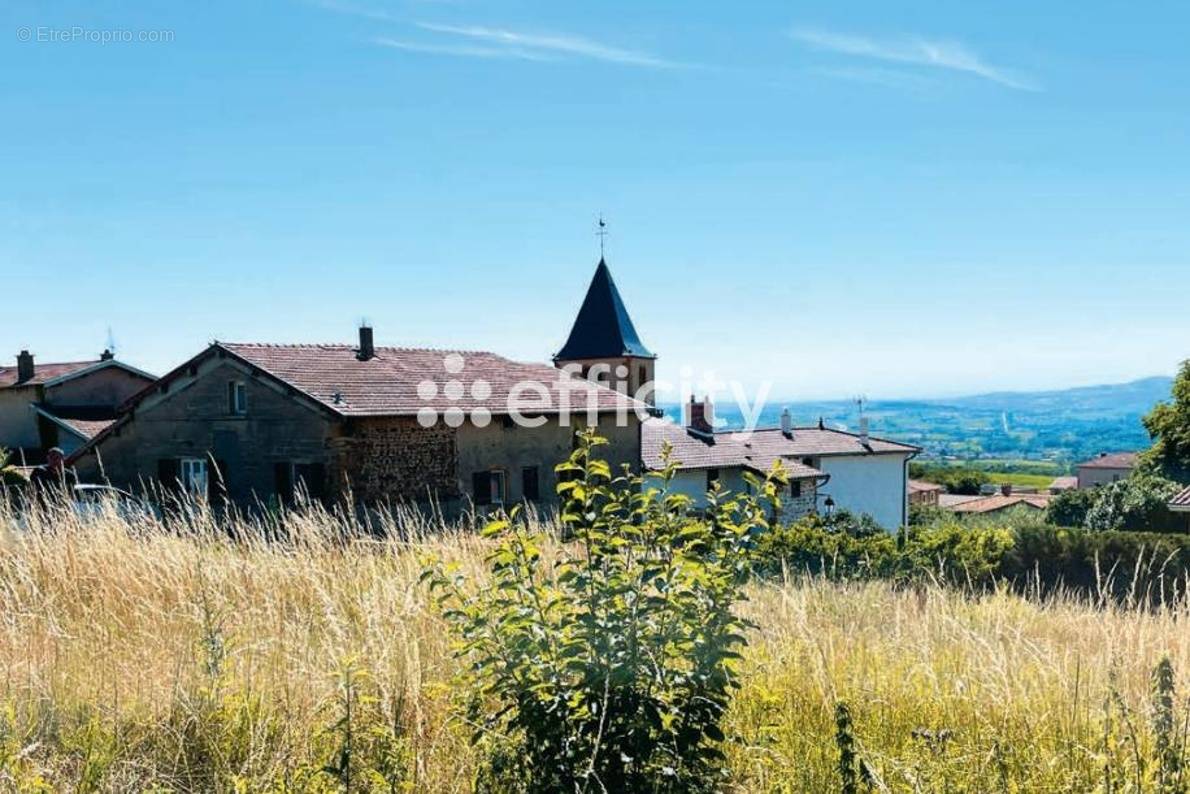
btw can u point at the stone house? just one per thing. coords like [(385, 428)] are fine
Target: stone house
[(827, 468), (61, 404), (370, 424), (1106, 469)]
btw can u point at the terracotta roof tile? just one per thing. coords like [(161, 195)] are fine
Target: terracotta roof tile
[(401, 381), (41, 373), (1114, 460), (755, 450), (990, 504), (921, 486)]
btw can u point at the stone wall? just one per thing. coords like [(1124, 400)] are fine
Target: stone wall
[(191, 420), (109, 386), (394, 459)]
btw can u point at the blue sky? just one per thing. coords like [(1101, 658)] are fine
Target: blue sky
[(901, 199)]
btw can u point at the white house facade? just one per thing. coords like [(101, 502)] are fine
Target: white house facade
[(828, 469)]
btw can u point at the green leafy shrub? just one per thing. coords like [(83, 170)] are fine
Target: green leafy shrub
[(1027, 554), (612, 671), (1138, 503), (1069, 508)]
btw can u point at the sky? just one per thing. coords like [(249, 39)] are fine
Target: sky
[(895, 199)]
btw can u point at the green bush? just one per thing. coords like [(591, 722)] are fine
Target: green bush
[(612, 671), (1138, 503), (1070, 508), (1025, 554)]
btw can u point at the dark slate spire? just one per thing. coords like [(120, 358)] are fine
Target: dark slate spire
[(603, 328)]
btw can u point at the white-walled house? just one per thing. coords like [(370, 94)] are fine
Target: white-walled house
[(859, 473)]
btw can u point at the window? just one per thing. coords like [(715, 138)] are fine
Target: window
[(712, 477), (237, 398), (530, 483), (795, 489), (193, 474), (499, 487), (293, 479), (488, 487)]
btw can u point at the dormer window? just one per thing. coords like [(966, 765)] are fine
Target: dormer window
[(237, 398)]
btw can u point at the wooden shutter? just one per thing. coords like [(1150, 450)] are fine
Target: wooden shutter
[(530, 483), (283, 481), (312, 477), (167, 473), (481, 487)]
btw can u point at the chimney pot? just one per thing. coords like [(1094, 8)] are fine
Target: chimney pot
[(787, 423), (700, 416), (863, 430), (1006, 489), (367, 350), (107, 355), (24, 366)]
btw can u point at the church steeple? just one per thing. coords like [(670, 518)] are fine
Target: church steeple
[(603, 344), (602, 328)]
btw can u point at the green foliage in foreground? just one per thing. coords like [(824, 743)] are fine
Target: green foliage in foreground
[(1034, 556), (1169, 426), (611, 671)]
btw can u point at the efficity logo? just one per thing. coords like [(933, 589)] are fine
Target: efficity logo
[(571, 393), (454, 390)]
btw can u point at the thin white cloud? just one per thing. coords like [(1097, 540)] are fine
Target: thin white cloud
[(546, 43), (876, 75), (460, 50), (913, 50)]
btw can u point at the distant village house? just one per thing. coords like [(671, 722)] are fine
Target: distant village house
[(61, 404), (1106, 469)]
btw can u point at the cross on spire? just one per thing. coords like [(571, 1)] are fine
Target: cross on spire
[(601, 233)]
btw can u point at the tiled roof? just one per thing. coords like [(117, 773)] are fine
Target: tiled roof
[(401, 381), (1181, 500), (1064, 484), (990, 504), (602, 328), (41, 373), (755, 450), (953, 499), (1114, 460), (85, 420), (921, 486)]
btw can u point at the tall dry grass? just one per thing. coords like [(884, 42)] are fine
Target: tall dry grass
[(136, 655)]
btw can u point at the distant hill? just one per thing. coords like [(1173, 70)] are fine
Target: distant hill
[(1064, 426), (1134, 397)]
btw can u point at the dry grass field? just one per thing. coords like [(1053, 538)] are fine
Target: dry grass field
[(138, 659)]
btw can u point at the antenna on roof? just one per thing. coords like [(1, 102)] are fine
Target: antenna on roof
[(601, 233), (111, 341)]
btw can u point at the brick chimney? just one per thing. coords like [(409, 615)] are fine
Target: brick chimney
[(367, 350), (1006, 489), (700, 416), (24, 366)]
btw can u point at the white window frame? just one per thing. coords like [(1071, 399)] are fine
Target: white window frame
[(239, 398), (194, 475)]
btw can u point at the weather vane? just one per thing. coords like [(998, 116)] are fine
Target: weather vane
[(601, 234)]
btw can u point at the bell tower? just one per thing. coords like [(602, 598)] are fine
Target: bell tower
[(603, 344)]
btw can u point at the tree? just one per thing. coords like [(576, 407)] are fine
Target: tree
[(612, 670), (1139, 503), (1070, 508), (1169, 427)]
